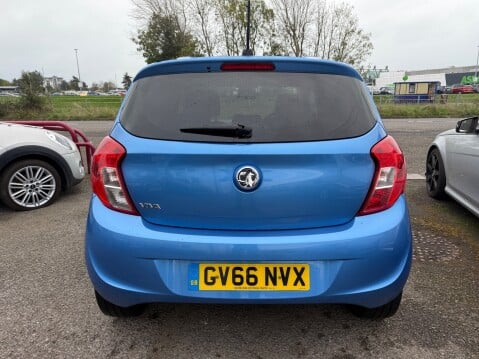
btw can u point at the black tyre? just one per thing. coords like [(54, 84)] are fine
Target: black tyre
[(114, 310), (435, 175), (384, 311), (29, 184)]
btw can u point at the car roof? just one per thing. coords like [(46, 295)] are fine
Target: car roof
[(282, 64)]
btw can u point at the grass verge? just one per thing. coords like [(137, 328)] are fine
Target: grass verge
[(66, 108), (429, 110)]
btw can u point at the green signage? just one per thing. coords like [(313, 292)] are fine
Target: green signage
[(466, 80)]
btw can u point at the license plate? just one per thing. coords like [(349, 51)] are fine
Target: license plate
[(264, 276)]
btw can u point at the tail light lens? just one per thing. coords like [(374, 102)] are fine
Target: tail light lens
[(389, 178), (106, 178), (248, 66)]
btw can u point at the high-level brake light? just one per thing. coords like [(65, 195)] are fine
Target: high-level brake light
[(247, 66)]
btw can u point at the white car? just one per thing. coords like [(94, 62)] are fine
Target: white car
[(452, 165), (36, 165)]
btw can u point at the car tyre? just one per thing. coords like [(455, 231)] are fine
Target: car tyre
[(29, 184), (435, 175), (384, 311), (114, 310)]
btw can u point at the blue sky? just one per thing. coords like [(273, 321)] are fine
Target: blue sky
[(42, 35)]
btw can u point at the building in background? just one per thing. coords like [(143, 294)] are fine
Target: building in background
[(9, 90), (416, 91), (53, 82), (446, 76)]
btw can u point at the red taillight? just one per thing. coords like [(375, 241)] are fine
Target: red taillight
[(247, 66), (389, 178), (106, 178)]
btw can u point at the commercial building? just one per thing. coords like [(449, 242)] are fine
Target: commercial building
[(9, 89), (446, 76)]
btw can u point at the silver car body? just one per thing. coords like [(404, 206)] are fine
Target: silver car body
[(13, 136), (460, 155)]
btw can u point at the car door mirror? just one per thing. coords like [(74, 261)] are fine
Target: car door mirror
[(468, 125)]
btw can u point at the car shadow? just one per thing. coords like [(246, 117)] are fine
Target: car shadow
[(253, 331)]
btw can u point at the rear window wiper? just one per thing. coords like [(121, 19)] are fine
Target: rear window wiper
[(235, 131)]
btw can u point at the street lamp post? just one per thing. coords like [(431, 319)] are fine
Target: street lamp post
[(78, 67)]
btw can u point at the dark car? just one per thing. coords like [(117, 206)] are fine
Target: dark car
[(441, 89), (387, 90)]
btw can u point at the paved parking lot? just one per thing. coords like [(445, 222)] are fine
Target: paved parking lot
[(48, 308)]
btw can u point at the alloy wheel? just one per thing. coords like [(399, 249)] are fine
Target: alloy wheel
[(432, 172), (435, 175), (32, 186)]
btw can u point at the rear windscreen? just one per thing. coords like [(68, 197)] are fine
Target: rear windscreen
[(275, 106)]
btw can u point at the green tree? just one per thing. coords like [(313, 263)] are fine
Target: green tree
[(323, 29), (107, 86), (217, 26), (232, 19), (4, 82), (74, 83), (164, 39), (294, 18), (49, 88), (202, 22), (340, 38), (64, 86), (320, 28), (31, 89), (126, 81), (276, 49)]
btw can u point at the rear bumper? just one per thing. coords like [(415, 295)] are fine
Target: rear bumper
[(364, 262)]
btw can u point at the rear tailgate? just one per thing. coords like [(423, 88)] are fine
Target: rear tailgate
[(303, 185)]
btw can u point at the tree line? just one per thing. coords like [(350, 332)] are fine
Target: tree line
[(30, 77), (173, 28), (32, 91)]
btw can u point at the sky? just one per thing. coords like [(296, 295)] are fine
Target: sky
[(42, 35)]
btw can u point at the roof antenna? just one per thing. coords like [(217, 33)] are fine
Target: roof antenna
[(248, 51)]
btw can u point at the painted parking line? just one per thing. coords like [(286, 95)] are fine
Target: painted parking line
[(415, 176)]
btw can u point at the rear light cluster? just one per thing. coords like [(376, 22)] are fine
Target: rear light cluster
[(106, 178), (389, 178)]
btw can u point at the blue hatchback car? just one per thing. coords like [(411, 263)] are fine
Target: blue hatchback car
[(248, 180)]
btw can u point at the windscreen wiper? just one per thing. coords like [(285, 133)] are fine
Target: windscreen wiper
[(235, 131)]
